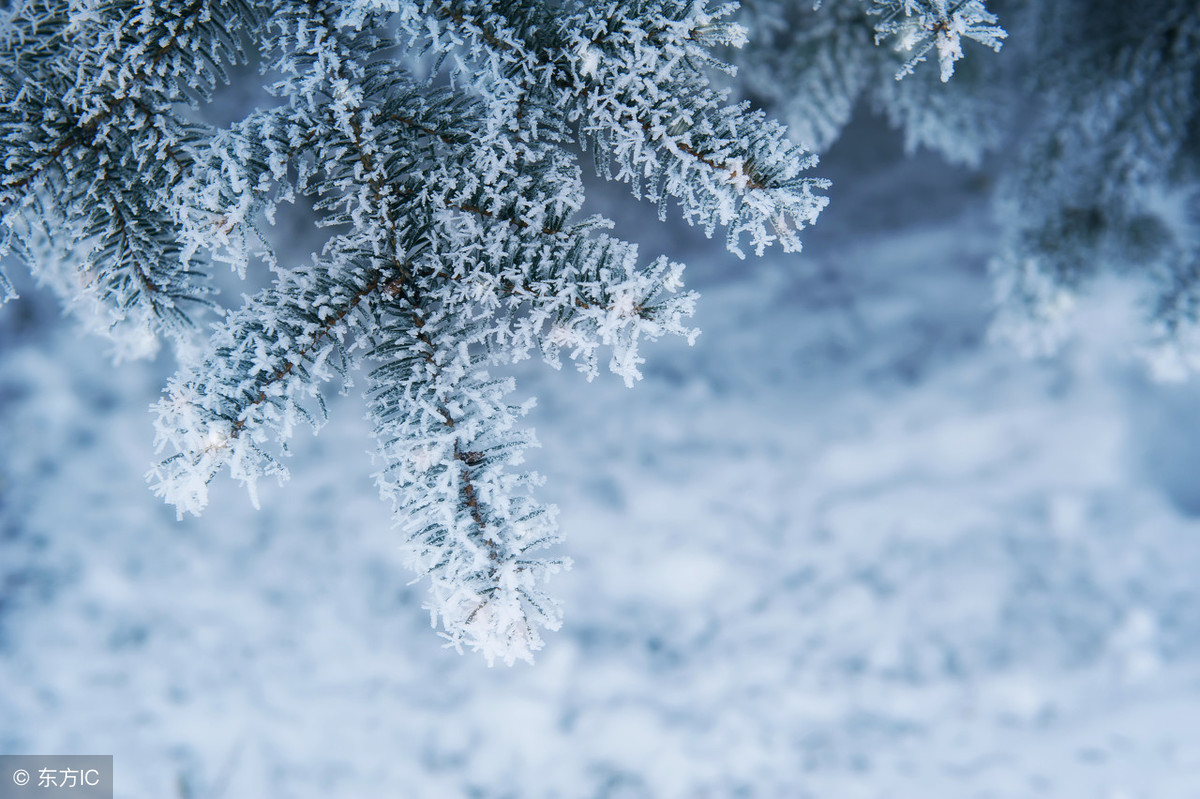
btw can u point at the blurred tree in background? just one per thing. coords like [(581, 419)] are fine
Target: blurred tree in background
[(1087, 120)]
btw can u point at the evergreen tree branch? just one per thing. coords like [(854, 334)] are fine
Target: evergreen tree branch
[(95, 148), (640, 97), (447, 438), (453, 245)]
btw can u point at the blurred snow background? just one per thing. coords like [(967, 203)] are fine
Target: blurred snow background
[(845, 546)]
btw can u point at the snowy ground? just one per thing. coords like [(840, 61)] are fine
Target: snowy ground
[(843, 547)]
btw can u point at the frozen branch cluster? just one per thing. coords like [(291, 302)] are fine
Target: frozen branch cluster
[(917, 27), (454, 241)]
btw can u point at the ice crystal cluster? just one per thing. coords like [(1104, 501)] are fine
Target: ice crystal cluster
[(440, 144)]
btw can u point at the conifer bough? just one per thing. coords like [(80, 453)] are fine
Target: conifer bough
[(455, 243)]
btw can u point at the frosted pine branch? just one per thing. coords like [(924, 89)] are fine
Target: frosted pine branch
[(630, 82), (454, 241), (261, 376), (94, 142), (447, 438), (917, 27)]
